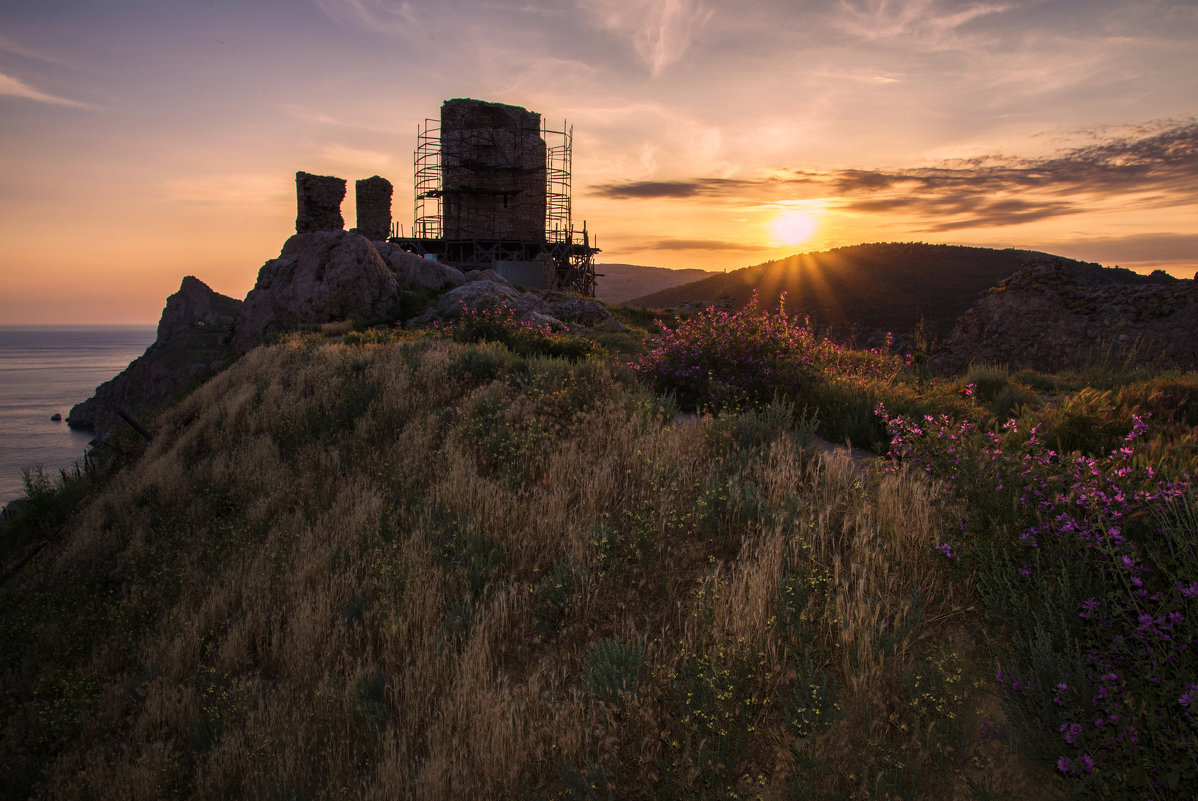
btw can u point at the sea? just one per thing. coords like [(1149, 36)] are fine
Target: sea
[(45, 370)]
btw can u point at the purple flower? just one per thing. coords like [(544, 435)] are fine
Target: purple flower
[(1063, 765)]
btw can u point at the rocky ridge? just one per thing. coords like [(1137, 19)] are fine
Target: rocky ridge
[(319, 277), (1054, 314)]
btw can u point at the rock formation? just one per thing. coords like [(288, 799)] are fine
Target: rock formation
[(488, 288), (373, 198), (194, 339), (318, 203), (1053, 314), (319, 277), (193, 303), (413, 270)]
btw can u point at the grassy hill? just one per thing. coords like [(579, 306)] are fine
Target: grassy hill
[(619, 283), (886, 287), (403, 566)]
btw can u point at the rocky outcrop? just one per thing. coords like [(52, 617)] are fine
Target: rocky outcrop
[(194, 339), (373, 198), (489, 289), (413, 270), (318, 278), (1053, 315), (318, 203), (195, 303)]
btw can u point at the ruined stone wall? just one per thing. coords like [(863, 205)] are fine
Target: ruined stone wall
[(1055, 315), (373, 197), (318, 201), (492, 172)]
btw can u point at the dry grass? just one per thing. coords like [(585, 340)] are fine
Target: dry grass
[(380, 571)]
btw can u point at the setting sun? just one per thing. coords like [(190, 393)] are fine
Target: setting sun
[(794, 227)]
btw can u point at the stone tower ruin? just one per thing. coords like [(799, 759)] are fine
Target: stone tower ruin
[(492, 191), (492, 172)]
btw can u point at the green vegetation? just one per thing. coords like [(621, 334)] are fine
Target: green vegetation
[(496, 562)]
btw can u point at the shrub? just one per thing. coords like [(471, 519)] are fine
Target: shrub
[(1096, 573), (730, 360), (501, 323)]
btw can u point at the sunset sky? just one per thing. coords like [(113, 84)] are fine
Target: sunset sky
[(143, 140)]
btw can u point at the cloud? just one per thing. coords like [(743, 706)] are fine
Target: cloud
[(12, 46), (930, 22), (1151, 247), (1154, 165), (241, 191), (700, 244), (660, 31), (390, 16), (15, 87), (669, 189)]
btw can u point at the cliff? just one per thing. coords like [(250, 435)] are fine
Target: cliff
[(194, 338)]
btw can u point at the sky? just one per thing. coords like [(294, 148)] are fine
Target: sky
[(145, 140)]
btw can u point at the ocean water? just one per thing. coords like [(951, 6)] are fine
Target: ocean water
[(46, 370)]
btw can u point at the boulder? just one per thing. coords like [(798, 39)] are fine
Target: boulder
[(582, 311), (412, 270), (319, 277), (486, 275)]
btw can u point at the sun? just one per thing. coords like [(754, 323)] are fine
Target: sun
[(794, 227)]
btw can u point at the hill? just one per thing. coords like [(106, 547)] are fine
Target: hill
[(424, 569), (385, 564), (873, 287), (620, 283)]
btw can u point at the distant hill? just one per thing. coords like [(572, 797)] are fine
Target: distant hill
[(885, 287), (620, 283)]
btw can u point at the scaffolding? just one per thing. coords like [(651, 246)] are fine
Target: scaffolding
[(485, 222)]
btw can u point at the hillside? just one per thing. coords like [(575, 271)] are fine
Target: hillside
[(619, 283), (384, 564), (431, 570), (875, 287)]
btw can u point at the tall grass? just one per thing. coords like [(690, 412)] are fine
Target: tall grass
[(383, 570), (498, 564)]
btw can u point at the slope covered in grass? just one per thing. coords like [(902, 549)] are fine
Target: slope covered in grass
[(428, 569), (426, 566)]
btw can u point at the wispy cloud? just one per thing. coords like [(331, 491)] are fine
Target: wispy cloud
[(240, 191), (930, 22), (700, 244), (10, 45), (15, 87), (1152, 166), (305, 114), (1161, 247), (659, 31), (395, 17)]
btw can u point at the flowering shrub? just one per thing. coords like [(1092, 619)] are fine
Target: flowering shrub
[(501, 323), (731, 360), (1095, 569)]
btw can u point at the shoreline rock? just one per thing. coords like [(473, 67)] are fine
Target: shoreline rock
[(194, 338)]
